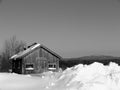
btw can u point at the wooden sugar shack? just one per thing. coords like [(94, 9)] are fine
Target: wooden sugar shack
[(36, 58)]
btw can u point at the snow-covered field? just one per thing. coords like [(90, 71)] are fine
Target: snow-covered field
[(80, 77)]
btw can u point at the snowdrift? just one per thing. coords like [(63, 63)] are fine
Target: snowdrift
[(92, 77), (80, 77)]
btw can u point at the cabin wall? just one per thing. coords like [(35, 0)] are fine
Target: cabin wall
[(51, 59), (31, 59), (41, 60)]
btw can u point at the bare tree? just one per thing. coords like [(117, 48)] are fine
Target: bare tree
[(11, 47)]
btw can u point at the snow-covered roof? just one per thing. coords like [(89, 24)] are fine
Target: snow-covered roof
[(30, 49), (22, 53)]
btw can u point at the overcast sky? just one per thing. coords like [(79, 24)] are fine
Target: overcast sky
[(71, 28)]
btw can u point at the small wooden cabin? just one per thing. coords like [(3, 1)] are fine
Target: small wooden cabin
[(35, 59)]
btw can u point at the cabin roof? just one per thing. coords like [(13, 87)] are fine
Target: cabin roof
[(31, 49)]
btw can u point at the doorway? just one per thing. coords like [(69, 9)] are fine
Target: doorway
[(17, 66)]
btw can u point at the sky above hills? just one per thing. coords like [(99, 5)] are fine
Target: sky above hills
[(71, 28)]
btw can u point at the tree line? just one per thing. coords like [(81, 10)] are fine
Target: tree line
[(11, 47)]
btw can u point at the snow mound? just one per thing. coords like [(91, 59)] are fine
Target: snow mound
[(91, 77), (80, 77)]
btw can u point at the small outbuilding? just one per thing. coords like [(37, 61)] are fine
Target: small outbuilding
[(36, 58)]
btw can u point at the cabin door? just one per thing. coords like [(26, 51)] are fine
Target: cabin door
[(43, 65), (17, 66)]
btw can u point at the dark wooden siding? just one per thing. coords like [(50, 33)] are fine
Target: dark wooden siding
[(51, 58), (31, 59), (40, 58)]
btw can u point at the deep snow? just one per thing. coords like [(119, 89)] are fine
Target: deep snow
[(80, 77)]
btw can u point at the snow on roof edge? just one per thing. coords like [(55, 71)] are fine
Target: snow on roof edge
[(25, 51), (20, 54)]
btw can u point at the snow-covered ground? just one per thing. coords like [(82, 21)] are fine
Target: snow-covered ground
[(80, 77)]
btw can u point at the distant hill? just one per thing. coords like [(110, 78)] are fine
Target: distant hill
[(92, 57), (69, 62)]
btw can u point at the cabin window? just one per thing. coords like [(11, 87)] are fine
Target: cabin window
[(29, 67), (51, 66)]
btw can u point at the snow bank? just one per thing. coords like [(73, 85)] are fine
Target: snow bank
[(13, 81), (92, 77), (80, 77)]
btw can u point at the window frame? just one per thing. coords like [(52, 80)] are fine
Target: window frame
[(52, 66), (30, 67)]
